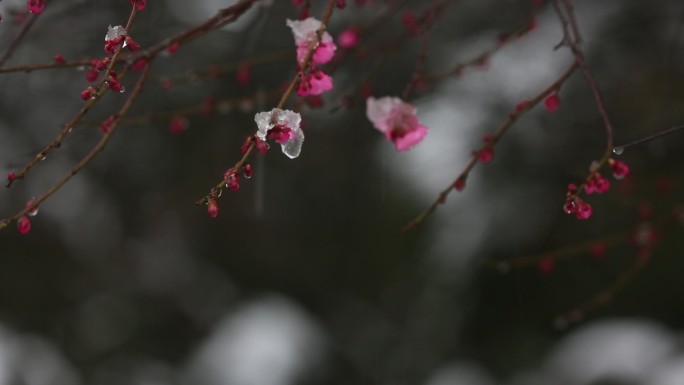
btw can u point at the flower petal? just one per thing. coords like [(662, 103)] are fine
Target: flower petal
[(411, 139)]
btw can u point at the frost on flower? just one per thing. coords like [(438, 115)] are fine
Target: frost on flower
[(397, 120), (114, 32), (283, 126), (305, 34)]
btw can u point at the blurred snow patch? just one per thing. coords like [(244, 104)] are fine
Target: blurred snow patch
[(270, 341), (461, 374), (670, 373), (32, 360), (612, 349)]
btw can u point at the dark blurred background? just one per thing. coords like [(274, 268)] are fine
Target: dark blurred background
[(306, 277)]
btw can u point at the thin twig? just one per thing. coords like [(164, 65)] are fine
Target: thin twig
[(604, 296), (216, 190), (17, 39), (571, 36), (558, 254), (512, 119), (617, 149), (457, 69), (100, 90), (87, 159), (221, 18), (45, 66)]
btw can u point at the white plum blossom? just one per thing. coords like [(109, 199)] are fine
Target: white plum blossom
[(283, 126)]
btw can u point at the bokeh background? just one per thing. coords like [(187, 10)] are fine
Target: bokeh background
[(306, 277)]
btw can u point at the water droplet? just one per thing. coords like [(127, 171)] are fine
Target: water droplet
[(80, 68), (70, 129), (219, 193), (34, 211), (122, 90), (43, 158), (618, 150)]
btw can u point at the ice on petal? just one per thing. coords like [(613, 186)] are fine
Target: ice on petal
[(294, 147), (267, 120), (288, 118), (264, 123), (114, 32)]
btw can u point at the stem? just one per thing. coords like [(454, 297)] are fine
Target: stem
[(512, 118), (604, 296), (44, 66), (17, 39), (559, 254), (571, 36), (650, 137), (87, 159), (222, 17), (100, 90), (214, 192)]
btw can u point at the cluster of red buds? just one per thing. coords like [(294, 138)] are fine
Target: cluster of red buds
[(112, 45), (595, 183), (261, 146), (96, 65), (114, 83), (231, 178)]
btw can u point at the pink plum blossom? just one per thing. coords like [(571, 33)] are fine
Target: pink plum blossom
[(314, 83), (397, 120), (305, 34)]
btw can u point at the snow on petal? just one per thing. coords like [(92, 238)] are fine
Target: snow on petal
[(378, 110), (267, 120), (264, 123), (114, 32), (305, 34), (397, 120), (304, 30), (287, 118)]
